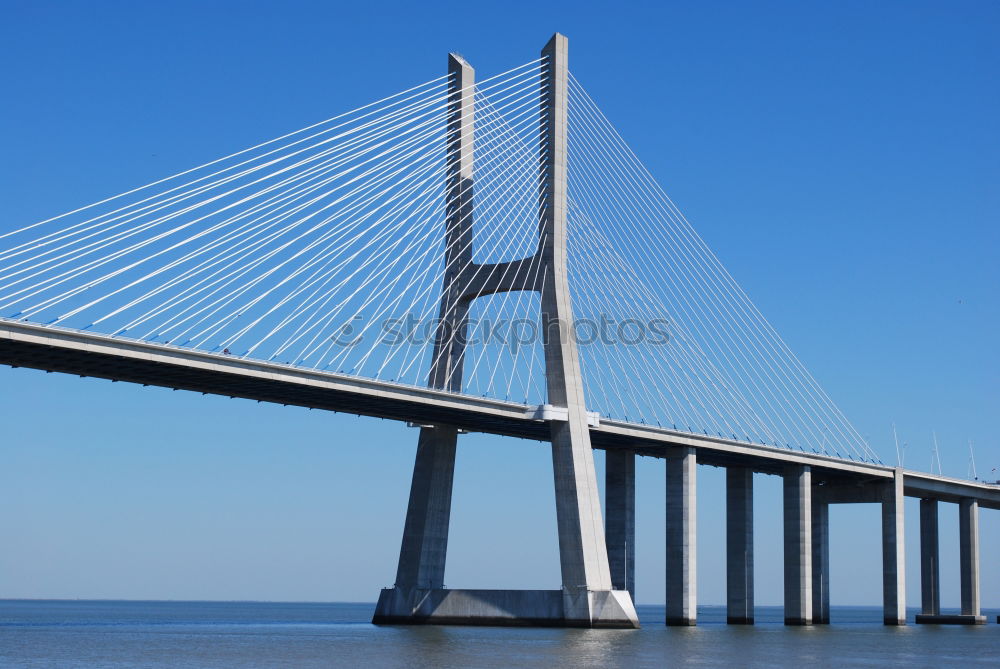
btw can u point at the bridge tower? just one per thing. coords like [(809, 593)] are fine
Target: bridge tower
[(587, 598)]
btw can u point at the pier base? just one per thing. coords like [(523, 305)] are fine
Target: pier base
[(957, 619), (536, 608)]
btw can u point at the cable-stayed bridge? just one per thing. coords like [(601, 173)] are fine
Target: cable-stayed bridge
[(479, 256)]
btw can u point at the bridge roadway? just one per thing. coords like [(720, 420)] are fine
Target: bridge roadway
[(119, 359)]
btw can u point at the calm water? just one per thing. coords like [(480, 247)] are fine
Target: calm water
[(241, 634)]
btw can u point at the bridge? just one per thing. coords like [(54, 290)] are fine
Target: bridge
[(481, 257)]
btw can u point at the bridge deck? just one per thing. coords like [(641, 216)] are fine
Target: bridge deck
[(88, 354)]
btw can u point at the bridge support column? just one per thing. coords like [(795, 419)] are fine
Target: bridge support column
[(681, 533), (820, 562), (968, 564), (798, 545), (739, 546), (968, 551), (893, 553), (619, 507), (930, 565)]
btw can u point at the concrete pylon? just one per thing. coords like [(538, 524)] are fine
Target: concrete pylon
[(582, 548), (425, 531), (586, 598)]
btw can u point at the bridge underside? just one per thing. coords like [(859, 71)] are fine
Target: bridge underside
[(226, 380), (284, 385)]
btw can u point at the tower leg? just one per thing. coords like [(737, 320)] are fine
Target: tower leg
[(682, 598), (425, 533), (583, 552), (739, 546), (798, 545)]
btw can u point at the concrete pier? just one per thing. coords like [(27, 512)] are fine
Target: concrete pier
[(681, 557), (739, 546), (821, 562), (930, 561), (968, 564), (968, 556), (798, 544), (619, 520), (893, 553)]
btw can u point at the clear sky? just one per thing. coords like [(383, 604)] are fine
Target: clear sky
[(843, 160)]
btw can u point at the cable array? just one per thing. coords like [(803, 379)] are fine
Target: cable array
[(325, 248), (504, 357), (682, 346), (322, 248)]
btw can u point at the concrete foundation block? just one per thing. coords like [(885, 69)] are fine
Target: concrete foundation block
[(538, 608), (924, 619)]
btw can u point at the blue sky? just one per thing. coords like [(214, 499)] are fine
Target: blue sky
[(841, 159)]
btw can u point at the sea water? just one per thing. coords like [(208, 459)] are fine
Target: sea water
[(42, 633)]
